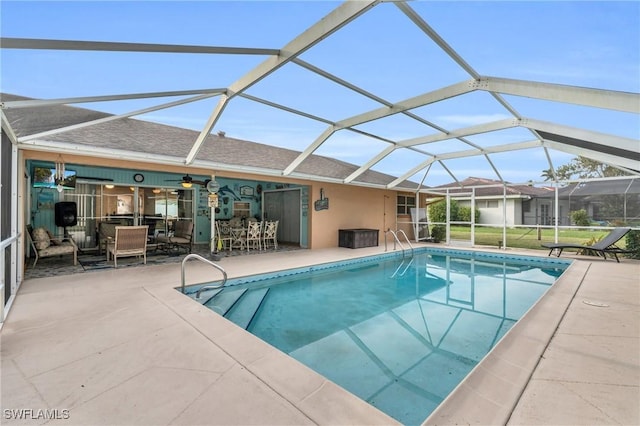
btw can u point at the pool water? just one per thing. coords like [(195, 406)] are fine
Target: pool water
[(400, 333)]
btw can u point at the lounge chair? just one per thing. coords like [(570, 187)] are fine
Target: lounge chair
[(606, 245)]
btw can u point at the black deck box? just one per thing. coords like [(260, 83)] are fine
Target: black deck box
[(357, 238)]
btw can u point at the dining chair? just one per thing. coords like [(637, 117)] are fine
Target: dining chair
[(223, 233), (270, 234), (254, 235)]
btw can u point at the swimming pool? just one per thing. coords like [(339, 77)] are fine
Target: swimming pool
[(400, 333)]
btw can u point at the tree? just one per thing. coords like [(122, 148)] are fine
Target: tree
[(583, 168), (548, 174)]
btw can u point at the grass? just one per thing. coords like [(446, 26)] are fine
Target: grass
[(528, 238)]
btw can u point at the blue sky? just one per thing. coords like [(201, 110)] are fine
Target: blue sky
[(590, 44)]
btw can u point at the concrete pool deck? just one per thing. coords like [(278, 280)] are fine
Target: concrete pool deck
[(123, 347)]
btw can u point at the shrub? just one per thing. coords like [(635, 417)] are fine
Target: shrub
[(438, 211), (580, 218), (632, 241), (438, 233), (464, 214)]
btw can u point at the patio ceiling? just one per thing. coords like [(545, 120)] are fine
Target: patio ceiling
[(425, 150)]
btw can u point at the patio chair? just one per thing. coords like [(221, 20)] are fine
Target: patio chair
[(254, 235), (44, 244), (106, 232), (607, 245), (270, 235), (223, 235), (181, 238), (129, 241)]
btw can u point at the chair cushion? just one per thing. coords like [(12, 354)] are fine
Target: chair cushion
[(53, 240), (41, 238), (64, 248)]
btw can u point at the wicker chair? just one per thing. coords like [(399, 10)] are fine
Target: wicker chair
[(129, 241)]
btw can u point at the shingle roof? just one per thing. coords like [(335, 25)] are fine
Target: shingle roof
[(140, 136), (465, 185)]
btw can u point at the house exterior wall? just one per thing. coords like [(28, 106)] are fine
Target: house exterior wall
[(349, 206), (493, 215)]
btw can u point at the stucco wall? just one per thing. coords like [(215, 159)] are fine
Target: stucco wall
[(350, 207)]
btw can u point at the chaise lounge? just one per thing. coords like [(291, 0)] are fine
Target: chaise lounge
[(606, 245)]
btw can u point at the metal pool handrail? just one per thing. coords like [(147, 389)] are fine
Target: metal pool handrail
[(207, 261), (395, 236)]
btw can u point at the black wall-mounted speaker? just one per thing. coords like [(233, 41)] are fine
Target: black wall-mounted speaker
[(66, 213)]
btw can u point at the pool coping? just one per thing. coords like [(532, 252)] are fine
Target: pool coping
[(491, 391), (516, 354), (75, 315)]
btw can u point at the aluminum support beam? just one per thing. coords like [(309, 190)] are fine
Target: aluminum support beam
[(468, 131), (433, 35), (410, 103), (366, 166), (211, 121), (331, 23), (613, 160), (88, 99), (309, 150), (598, 98), (607, 141), (113, 117), (466, 153), (106, 46), (348, 123)]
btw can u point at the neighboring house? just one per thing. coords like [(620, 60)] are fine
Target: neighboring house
[(525, 205)]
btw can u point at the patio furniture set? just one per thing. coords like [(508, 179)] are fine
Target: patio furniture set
[(260, 235)]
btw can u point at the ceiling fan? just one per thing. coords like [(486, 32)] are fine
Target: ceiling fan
[(187, 181)]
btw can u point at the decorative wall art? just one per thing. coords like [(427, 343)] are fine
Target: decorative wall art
[(45, 200), (246, 190), (322, 203)]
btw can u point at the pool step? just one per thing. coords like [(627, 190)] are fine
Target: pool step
[(224, 300), (206, 295), (243, 312)]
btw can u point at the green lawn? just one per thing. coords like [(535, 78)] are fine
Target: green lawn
[(528, 237)]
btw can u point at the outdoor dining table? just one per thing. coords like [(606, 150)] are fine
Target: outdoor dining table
[(237, 235)]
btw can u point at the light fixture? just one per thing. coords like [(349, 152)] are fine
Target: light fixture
[(186, 184), (109, 186), (156, 190), (132, 188)]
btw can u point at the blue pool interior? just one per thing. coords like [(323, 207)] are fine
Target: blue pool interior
[(399, 332)]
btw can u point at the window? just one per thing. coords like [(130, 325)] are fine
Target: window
[(487, 204), (526, 206), (242, 210), (405, 203)]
